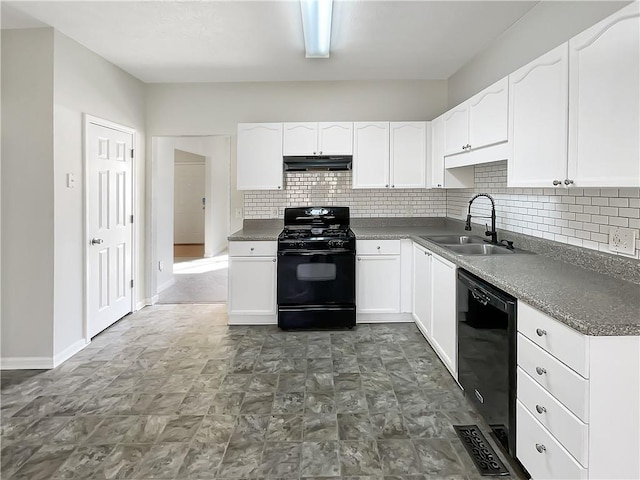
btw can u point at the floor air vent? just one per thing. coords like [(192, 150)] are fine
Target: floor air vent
[(480, 451)]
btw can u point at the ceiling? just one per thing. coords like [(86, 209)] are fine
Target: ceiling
[(239, 41)]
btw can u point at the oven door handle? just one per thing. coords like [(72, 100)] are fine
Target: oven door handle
[(316, 252)]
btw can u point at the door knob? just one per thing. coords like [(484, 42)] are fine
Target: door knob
[(96, 241)]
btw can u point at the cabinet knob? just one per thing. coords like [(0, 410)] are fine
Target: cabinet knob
[(279, 187), (274, 260), (541, 448), (439, 184), (320, 152), (541, 332), (251, 249), (468, 146), (314, 153), (358, 258), (557, 182), (386, 186), (378, 247), (568, 182), (540, 371), (393, 186), (540, 409), (464, 147)]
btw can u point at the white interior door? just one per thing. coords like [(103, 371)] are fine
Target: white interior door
[(109, 228), (189, 208)]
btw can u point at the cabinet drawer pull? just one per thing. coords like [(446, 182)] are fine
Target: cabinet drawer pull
[(540, 409), (541, 448), (252, 249), (541, 332), (378, 247), (557, 182), (540, 371)]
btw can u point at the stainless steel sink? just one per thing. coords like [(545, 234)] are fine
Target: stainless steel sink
[(477, 249), (455, 239)]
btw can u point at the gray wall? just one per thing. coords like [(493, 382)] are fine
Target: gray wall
[(27, 193), (545, 26)]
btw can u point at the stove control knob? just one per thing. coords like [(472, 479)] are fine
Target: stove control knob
[(300, 244), (336, 243)]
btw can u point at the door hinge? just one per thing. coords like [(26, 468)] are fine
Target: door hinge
[(131, 218), (131, 283), (132, 153)]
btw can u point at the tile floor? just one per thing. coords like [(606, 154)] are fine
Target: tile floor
[(172, 392)]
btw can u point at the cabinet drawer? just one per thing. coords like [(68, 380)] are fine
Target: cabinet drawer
[(564, 425), (252, 249), (370, 247), (564, 343), (553, 461), (558, 379)]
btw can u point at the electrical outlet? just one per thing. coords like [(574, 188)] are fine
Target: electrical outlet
[(161, 265), (238, 213), (274, 212), (622, 240)]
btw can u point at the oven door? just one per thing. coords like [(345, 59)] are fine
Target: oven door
[(316, 278)]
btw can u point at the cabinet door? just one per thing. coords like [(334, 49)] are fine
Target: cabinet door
[(252, 285), (378, 284), (408, 154), (538, 102), (444, 323), (300, 139), (259, 156), (604, 112), (456, 129), (371, 155), (488, 113), (421, 308), (335, 138), (436, 166)]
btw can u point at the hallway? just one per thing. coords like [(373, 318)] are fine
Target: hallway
[(198, 280)]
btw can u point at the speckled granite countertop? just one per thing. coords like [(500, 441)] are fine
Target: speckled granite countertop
[(590, 302)]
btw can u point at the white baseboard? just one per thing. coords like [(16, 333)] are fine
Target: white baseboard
[(384, 318), (240, 319), (166, 284), (69, 352), (26, 363)]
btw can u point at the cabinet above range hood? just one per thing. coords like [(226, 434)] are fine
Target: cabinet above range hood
[(317, 163)]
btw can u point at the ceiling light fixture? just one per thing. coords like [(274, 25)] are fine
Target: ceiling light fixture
[(316, 26)]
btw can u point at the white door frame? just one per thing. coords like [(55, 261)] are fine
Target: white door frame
[(87, 120)]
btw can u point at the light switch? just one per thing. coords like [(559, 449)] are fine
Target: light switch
[(71, 180)]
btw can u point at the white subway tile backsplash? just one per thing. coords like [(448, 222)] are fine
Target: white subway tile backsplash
[(579, 216)]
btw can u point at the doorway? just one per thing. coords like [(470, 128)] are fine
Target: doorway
[(191, 213)]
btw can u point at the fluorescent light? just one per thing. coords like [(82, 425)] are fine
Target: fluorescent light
[(316, 25)]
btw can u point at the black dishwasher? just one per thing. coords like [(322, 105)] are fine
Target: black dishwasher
[(487, 353)]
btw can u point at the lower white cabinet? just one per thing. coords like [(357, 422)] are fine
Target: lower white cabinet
[(378, 283), (444, 322), (252, 283), (578, 397), (421, 275)]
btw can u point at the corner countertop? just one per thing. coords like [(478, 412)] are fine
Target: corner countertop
[(590, 302)]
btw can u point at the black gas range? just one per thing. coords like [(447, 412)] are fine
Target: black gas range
[(316, 285)]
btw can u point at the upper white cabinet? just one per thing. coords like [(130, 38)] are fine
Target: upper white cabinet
[(408, 154), (371, 155), (604, 99), (318, 138), (437, 176), (538, 121), (479, 122), (389, 155), (259, 156)]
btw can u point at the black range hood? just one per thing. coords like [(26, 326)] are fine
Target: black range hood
[(318, 162)]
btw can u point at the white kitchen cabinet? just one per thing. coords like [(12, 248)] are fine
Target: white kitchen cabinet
[(538, 99), (371, 155), (252, 283), (437, 176), (259, 156), (408, 154), (317, 138), (378, 276), (444, 323), (421, 275), (575, 394), (478, 122), (604, 99)]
